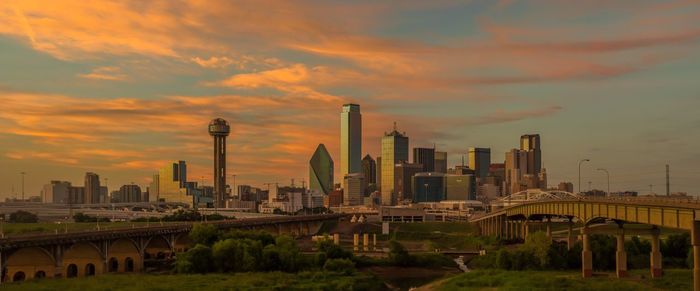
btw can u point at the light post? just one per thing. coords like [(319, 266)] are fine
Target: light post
[(579, 173), (426, 192), (22, 173), (608, 174)]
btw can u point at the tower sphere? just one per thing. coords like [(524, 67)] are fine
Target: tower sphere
[(219, 127)]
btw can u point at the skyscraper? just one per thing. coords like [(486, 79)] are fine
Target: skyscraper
[(369, 168), (92, 188), (219, 129), (403, 174), (172, 184), (350, 140), (321, 170), (354, 191), (479, 161), (425, 157), (530, 143), (394, 151), (441, 162)]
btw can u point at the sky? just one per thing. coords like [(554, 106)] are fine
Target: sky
[(122, 88)]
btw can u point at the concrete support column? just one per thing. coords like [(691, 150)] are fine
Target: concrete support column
[(355, 241), (586, 255), (526, 229), (365, 242), (374, 241), (549, 228), (336, 238), (621, 255), (695, 241), (655, 255)]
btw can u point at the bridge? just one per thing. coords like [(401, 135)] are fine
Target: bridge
[(92, 253), (617, 216)]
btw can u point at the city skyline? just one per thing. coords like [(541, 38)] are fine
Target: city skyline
[(125, 100)]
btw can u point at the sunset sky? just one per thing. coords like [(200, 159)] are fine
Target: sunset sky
[(121, 88)]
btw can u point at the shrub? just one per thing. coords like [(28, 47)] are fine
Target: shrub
[(196, 260), (503, 260), (344, 266), (398, 254), (21, 216)]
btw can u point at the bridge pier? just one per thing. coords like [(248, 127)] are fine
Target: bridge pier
[(621, 255), (549, 228), (586, 255), (570, 240), (695, 241), (656, 269)]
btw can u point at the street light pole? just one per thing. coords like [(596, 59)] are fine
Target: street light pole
[(579, 173), (22, 173), (608, 174)]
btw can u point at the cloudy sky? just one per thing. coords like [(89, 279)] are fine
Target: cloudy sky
[(121, 88)]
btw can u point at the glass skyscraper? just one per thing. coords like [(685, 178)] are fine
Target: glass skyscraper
[(321, 170), (350, 140), (479, 161), (394, 151)]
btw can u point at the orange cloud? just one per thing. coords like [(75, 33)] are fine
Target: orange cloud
[(105, 73)]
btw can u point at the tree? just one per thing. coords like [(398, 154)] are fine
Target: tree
[(21, 216), (196, 260), (538, 244), (398, 254), (205, 234)]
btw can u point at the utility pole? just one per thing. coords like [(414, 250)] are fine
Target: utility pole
[(668, 182)]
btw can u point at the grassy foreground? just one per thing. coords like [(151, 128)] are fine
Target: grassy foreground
[(238, 281), (555, 280), (443, 235)]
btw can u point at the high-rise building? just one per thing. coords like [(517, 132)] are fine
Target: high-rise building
[(530, 143), (394, 151), (404, 173), (350, 140), (76, 195), (441, 162), (92, 188), (425, 157), (153, 189), (354, 191), (379, 173), (369, 168), (321, 170), (566, 186), (219, 129), (129, 193), (172, 184), (460, 187), (479, 161), (56, 192), (428, 187)]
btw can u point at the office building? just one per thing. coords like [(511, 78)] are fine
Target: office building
[(369, 168), (530, 143), (350, 140), (153, 189), (523, 167), (321, 170), (394, 151), (378, 178), (92, 188), (354, 190), (219, 129), (333, 199), (173, 186), (479, 161), (128, 193), (425, 157), (402, 184), (566, 186), (460, 187), (56, 192), (428, 187), (76, 195), (441, 162)]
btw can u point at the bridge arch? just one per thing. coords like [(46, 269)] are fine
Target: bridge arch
[(157, 247), (87, 258), (126, 252), (25, 263)]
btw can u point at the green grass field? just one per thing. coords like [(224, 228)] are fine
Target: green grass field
[(442, 235), (566, 280), (239, 281), (44, 227)]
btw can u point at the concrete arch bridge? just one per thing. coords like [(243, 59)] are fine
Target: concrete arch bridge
[(92, 253), (617, 216)]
